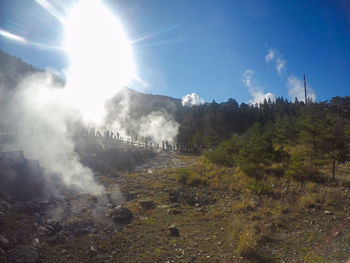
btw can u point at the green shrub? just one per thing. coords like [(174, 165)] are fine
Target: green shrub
[(194, 180), (299, 165), (183, 175), (225, 152), (189, 177), (258, 187)]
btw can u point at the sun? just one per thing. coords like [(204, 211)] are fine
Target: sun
[(100, 57)]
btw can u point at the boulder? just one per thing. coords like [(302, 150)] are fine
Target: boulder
[(174, 230), (174, 211), (4, 206), (174, 196), (5, 196), (121, 214), (54, 227), (147, 204), (2, 218), (4, 243)]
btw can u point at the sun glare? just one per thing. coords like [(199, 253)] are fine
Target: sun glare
[(100, 57)]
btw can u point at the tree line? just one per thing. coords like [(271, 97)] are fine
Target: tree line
[(292, 138)]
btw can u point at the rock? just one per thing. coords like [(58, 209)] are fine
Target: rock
[(93, 249), (122, 214), (4, 243), (54, 227), (327, 212), (4, 206), (130, 195), (335, 234), (174, 230), (2, 218), (174, 196), (202, 210), (42, 230), (23, 255), (146, 204), (5, 196), (173, 211)]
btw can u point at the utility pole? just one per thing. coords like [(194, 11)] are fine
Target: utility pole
[(305, 89)]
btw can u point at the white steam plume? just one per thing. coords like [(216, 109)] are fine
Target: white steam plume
[(280, 65), (157, 126), (295, 88), (273, 55), (101, 63), (254, 89), (192, 99), (44, 119)]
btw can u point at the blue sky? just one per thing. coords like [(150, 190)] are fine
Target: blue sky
[(217, 49)]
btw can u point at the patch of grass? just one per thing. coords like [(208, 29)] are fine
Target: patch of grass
[(310, 187), (309, 200), (259, 187), (189, 177), (243, 235), (311, 257), (243, 205)]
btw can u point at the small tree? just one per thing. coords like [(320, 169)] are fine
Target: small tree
[(225, 152), (336, 140), (256, 150)]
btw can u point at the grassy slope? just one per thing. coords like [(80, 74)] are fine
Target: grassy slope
[(227, 217)]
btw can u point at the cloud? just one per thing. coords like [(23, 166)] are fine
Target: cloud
[(280, 65), (257, 92), (295, 88), (274, 56), (294, 85), (270, 55), (192, 99)]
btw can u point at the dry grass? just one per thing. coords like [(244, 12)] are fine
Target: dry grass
[(247, 215)]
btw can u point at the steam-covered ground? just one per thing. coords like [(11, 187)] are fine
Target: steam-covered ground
[(163, 220), (37, 207)]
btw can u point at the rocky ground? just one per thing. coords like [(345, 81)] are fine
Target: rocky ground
[(148, 216)]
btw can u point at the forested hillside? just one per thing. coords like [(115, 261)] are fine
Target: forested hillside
[(281, 137), (210, 123)]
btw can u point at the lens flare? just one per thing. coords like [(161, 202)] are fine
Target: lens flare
[(100, 58)]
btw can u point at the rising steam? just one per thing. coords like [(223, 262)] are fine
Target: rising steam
[(45, 133), (100, 64)]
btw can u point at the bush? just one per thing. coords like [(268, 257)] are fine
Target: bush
[(225, 152), (244, 235), (309, 200), (299, 165), (194, 180), (189, 177), (183, 175), (259, 187)]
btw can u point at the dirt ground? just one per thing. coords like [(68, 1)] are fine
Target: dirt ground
[(175, 222)]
